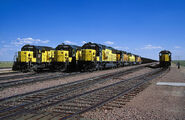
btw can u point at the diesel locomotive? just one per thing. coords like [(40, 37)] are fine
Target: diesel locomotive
[(66, 57), (96, 56), (165, 58), (89, 57), (33, 58)]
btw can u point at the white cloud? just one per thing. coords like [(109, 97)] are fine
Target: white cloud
[(29, 40), (69, 42), (151, 47), (44, 41), (121, 48), (83, 42), (117, 47), (109, 43), (177, 47)]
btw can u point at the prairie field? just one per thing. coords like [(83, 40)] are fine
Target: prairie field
[(182, 62), (6, 64)]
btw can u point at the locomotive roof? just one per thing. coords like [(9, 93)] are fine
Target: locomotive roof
[(108, 47), (99, 45), (165, 52), (38, 47), (121, 51), (71, 46)]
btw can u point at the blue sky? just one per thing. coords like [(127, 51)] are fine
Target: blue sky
[(142, 27)]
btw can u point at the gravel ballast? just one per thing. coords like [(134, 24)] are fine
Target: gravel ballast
[(154, 103), (45, 84)]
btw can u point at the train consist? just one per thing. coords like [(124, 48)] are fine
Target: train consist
[(89, 57), (97, 56), (165, 58)]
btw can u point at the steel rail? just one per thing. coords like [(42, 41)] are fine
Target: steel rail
[(31, 80), (8, 73), (5, 67), (18, 76), (96, 90), (89, 92), (111, 98), (113, 75)]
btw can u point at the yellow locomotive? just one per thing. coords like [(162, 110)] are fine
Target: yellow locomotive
[(33, 57), (165, 58), (89, 57), (97, 56), (131, 59), (122, 58), (138, 59), (66, 57)]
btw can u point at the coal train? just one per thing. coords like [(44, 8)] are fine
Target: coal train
[(89, 57)]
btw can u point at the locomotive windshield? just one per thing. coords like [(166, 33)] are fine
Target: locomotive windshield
[(88, 46), (92, 46), (27, 48), (63, 47)]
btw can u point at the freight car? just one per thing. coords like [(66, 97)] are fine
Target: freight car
[(66, 57), (33, 58), (165, 58)]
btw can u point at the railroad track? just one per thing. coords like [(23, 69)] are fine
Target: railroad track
[(64, 108), (38, 78), (8, 73), (5, 68), (76, 105), (22, 75), (17, 76), (15, 105)]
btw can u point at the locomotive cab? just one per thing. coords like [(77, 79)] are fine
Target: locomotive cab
[(97, 56), (138, 59), (66, 56), (165, 58), (90, 52), (33, 58), (131, 59)]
